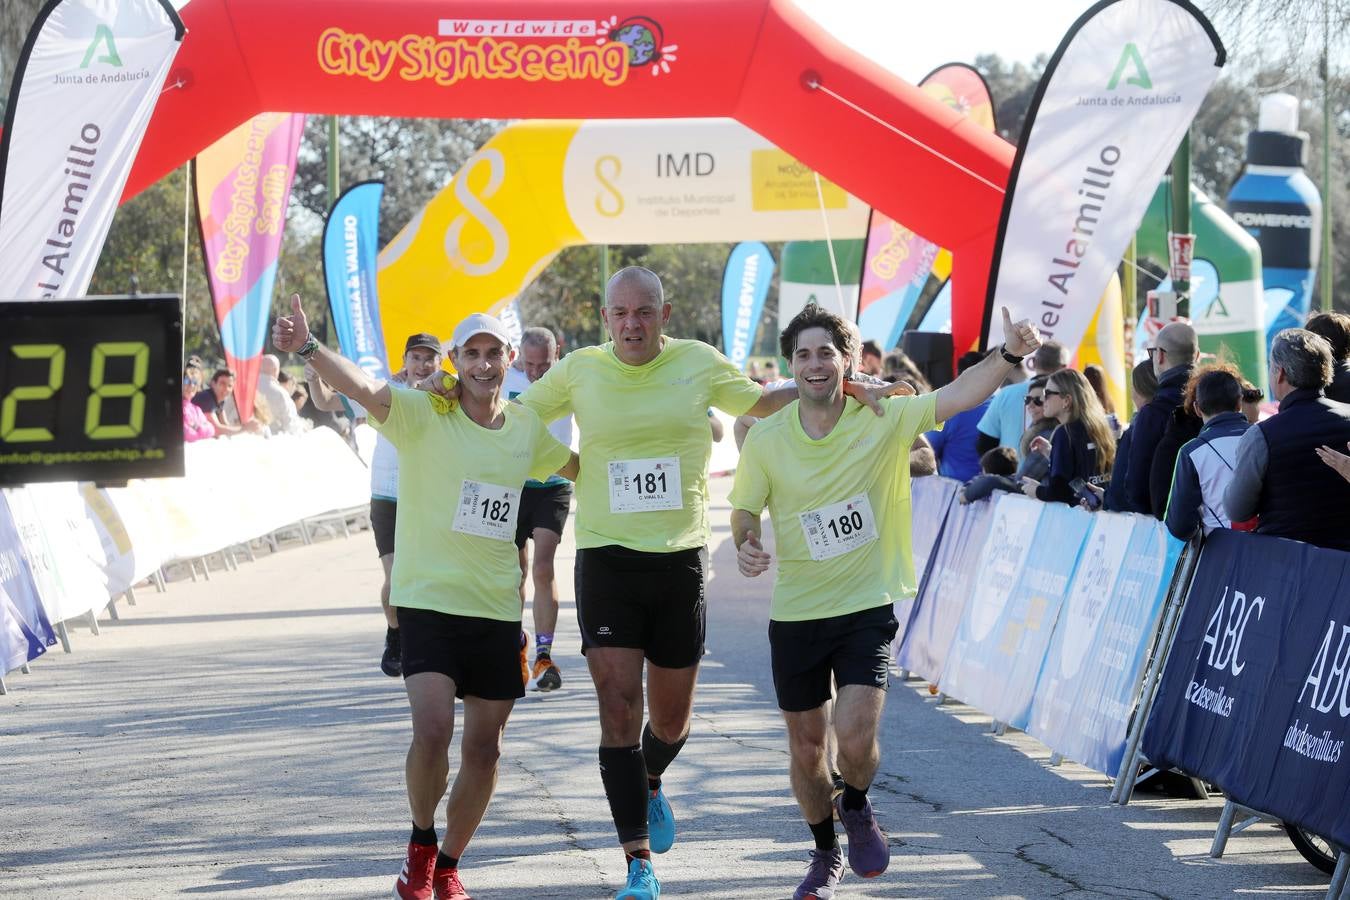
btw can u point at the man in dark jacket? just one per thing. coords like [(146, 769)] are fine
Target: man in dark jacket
[(1205, 464), (1173, 355), (1335, 327), (1277, 476)]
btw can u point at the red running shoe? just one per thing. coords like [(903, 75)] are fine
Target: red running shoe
[(414, 882), (448, 886)]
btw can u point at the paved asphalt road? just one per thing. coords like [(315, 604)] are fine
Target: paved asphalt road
[(234, 738)]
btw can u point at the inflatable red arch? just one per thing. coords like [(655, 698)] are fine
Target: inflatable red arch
[(763, 62)]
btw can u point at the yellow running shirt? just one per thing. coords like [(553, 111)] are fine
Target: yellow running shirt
[(645, 441), (840, 506), (459, 494)]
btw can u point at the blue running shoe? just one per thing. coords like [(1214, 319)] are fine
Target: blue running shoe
[(642, 883), (660, 822)]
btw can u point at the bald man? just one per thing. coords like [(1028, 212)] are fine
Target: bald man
[(285, 418), (1173, 355)]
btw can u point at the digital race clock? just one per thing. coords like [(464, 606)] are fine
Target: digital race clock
[(91, 390)]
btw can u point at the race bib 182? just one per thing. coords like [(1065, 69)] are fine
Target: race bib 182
[(487, 510)]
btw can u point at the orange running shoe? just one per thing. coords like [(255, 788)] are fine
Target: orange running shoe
[(545, 676)]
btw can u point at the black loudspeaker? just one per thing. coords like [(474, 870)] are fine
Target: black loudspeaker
[(932, 352)]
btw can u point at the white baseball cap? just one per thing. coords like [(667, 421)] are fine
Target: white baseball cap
[(480, 323)]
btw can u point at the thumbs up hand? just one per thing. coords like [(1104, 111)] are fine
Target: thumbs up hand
[(1020, 338), (289, 333)]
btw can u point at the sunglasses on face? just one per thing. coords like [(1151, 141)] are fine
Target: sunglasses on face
[(1050, 393), (1034, 401)]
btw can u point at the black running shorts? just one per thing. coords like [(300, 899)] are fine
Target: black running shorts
[(855, 648), (542, 507), (382, 515), (652, 602), (481, 656)]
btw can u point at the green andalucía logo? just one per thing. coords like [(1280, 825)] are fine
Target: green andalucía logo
[(102, 43), (1130, 56)]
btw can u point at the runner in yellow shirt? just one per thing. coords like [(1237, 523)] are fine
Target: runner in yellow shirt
[(455, 575), (641, 405), (836, 484)]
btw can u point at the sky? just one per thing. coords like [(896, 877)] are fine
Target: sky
[(911, 38)]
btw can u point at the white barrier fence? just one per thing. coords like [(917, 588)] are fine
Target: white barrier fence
[(86, 546)]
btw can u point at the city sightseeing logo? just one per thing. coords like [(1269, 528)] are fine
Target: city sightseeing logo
[(556, 50)]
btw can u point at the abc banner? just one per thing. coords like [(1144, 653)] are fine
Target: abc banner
[(243, 185), (350, 247), (1115, 101), (1256, 693), (85, 85), (745, 284)]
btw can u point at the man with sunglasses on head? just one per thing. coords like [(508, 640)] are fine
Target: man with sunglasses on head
[(1173, 355)]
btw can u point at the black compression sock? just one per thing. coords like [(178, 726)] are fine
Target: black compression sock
[(823, 832), (446, 862), (637, 854), (853, 797), (625, 779), (423, 835), (658, 754)]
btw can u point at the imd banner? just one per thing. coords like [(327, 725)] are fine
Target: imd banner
[(243, 184), (1114, 103), (745, 284), (351, 244), (84, 88)]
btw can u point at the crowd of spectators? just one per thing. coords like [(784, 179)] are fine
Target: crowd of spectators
[(280, 403), (1197, 454)]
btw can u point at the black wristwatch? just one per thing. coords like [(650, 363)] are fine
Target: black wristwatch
[(1008, 357), (307, 349)]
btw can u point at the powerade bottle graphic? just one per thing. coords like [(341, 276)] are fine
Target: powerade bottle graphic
[(1277, 203)]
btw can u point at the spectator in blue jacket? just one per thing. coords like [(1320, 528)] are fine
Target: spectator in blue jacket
[(1143, 386), (1082, 447), (955, 443), (1278, 477), (1173, 355), (1205, 464)]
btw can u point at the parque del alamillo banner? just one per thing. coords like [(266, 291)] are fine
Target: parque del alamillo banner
[(1114, 103), (243, 185), (86, 82), (351, 243)]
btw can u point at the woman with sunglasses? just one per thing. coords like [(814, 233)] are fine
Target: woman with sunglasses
[(196, 426), (1083, 448)]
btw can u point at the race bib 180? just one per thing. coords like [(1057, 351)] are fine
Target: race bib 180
[(487, 510), (839, 528), (644, 485)]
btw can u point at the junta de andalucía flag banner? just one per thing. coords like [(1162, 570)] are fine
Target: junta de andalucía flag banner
[(243, 184), (351, 243), (84, 87), (1114, 103)]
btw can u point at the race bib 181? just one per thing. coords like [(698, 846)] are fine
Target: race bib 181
[(839, 528), (644, 485), (487, 510)]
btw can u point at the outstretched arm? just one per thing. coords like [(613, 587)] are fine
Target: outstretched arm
[(290, 333), (975, 385)]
